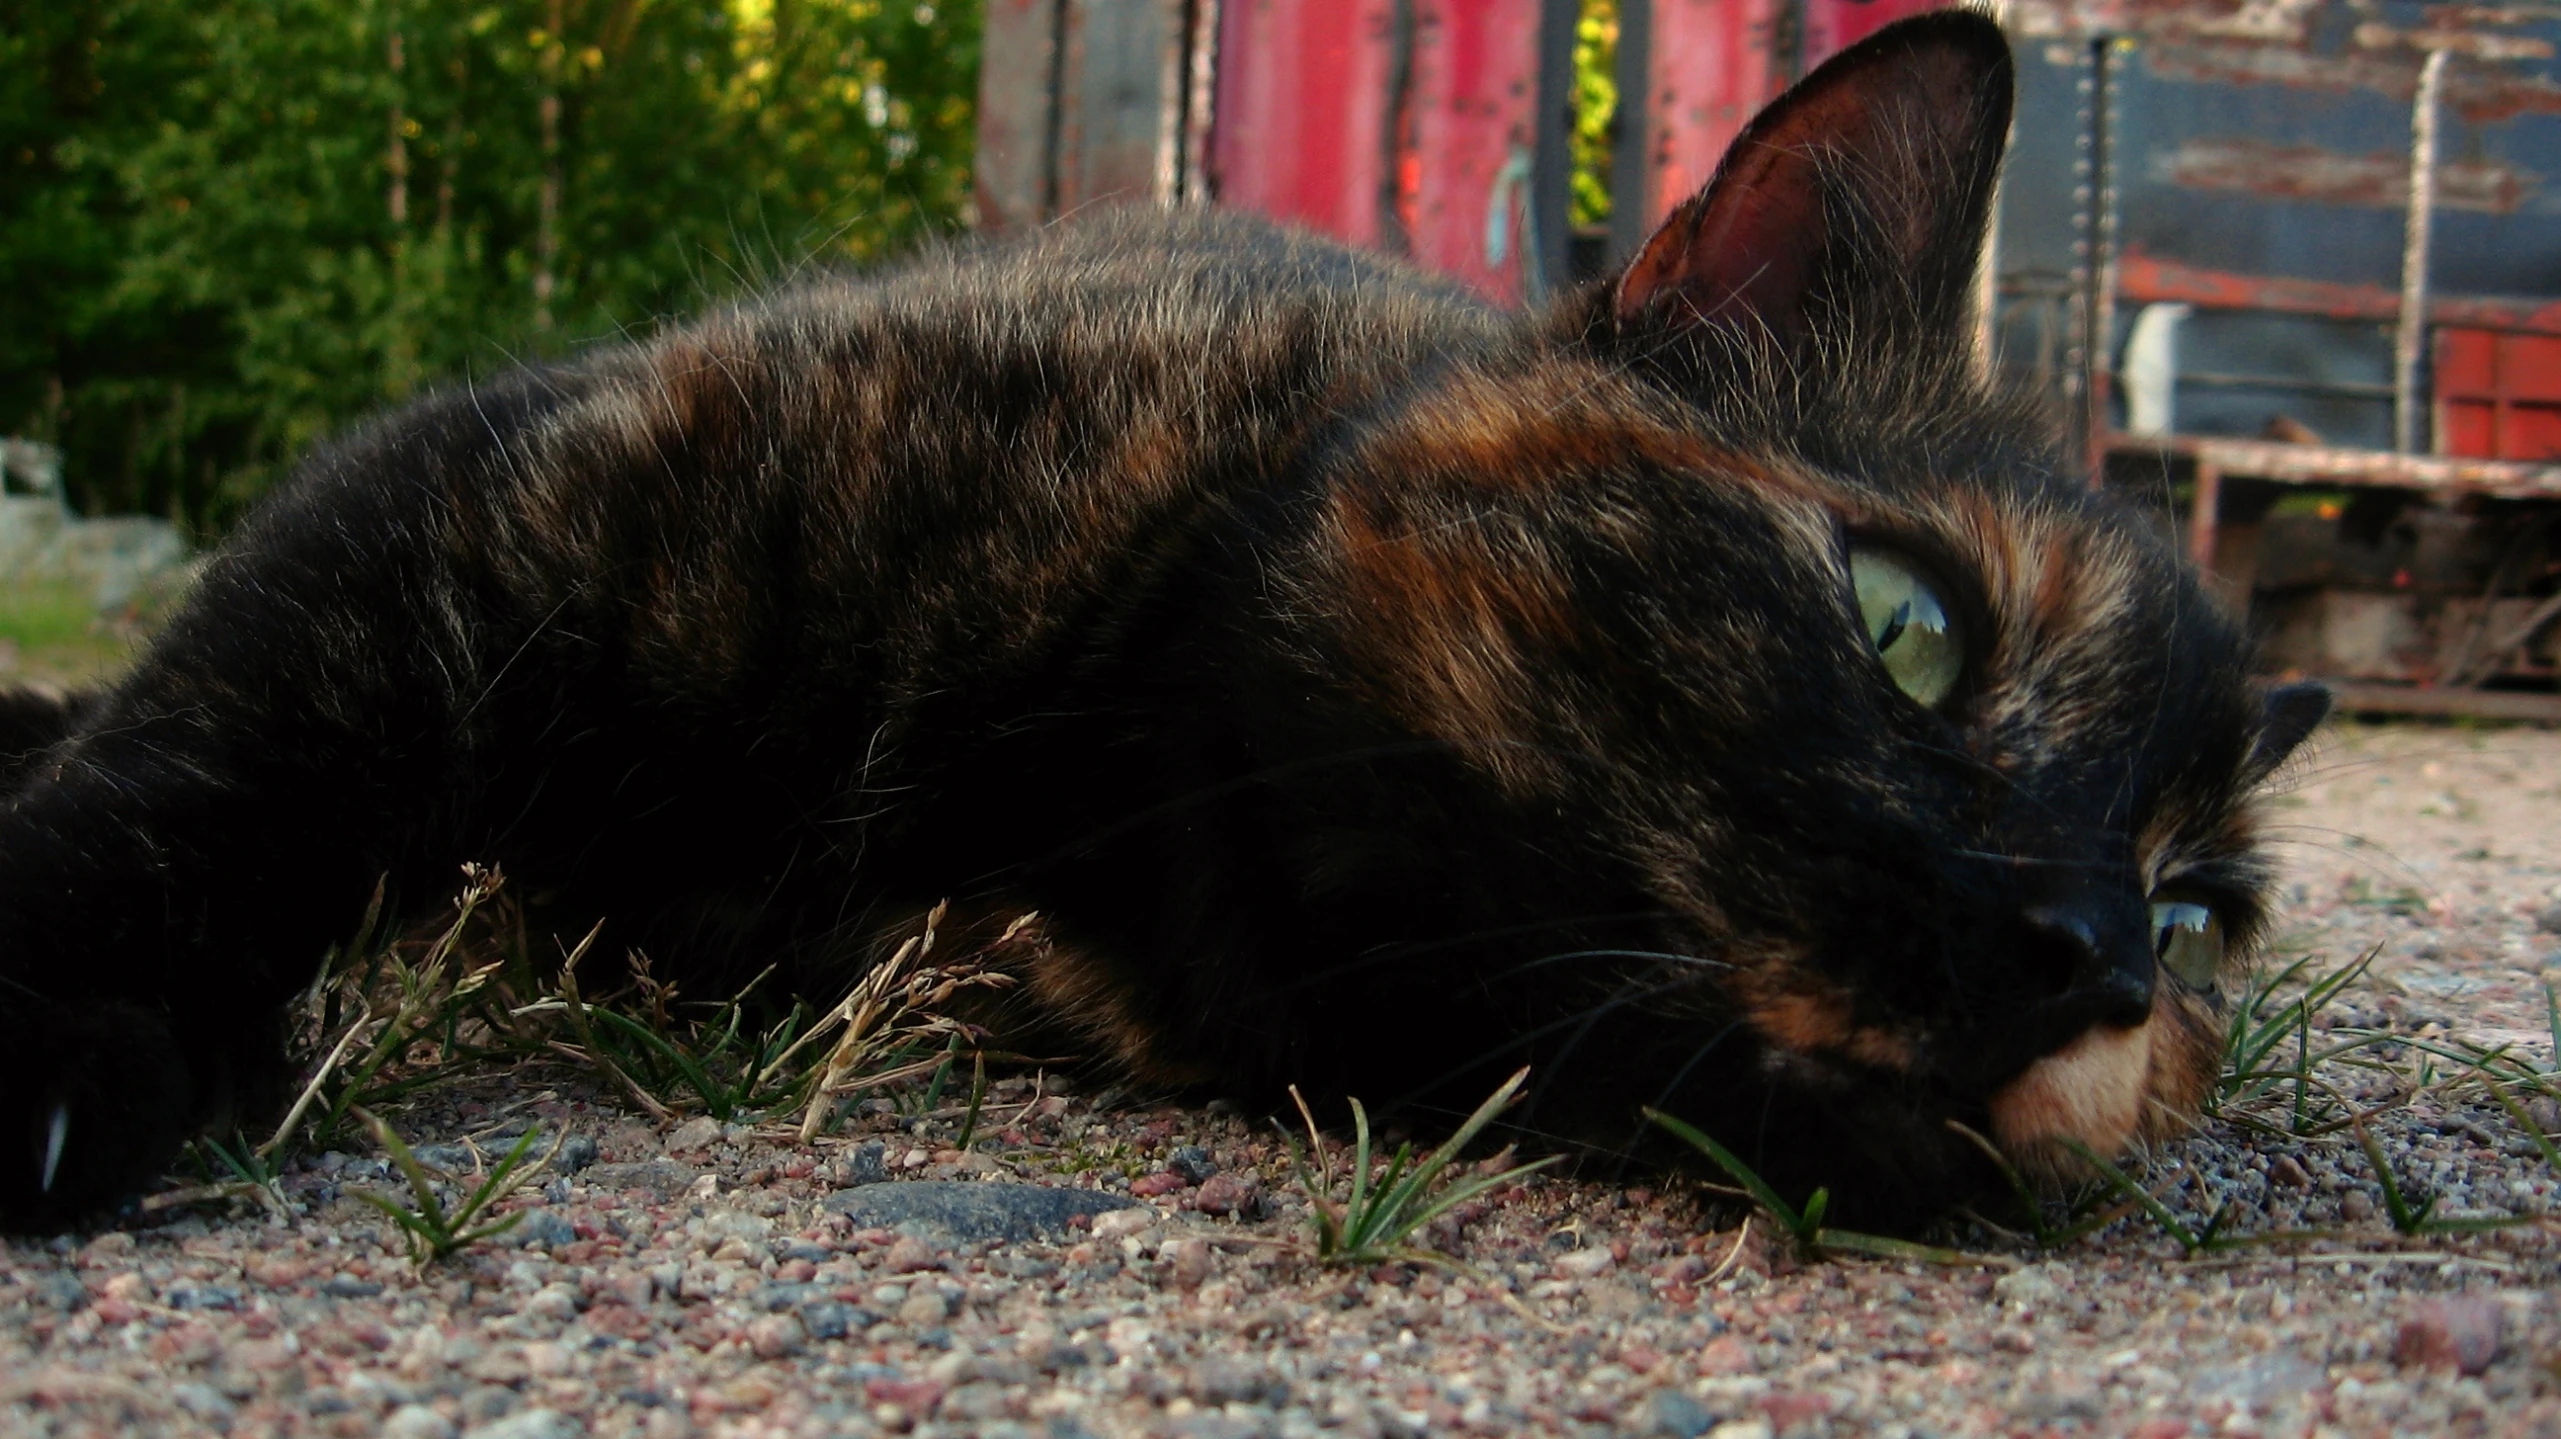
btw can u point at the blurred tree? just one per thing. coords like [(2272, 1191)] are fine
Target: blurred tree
[(230, 226), (1595, 110)]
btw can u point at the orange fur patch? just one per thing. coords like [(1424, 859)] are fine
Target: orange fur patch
[(1096, 999), (1802, 1014), (2111, 1087)]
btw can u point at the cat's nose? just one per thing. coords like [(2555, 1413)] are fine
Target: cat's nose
[(2098, 952)]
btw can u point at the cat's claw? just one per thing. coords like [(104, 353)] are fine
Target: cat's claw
[(56, 1130)]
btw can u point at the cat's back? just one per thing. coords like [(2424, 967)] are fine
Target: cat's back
[(1190, 278), (1105, 366)]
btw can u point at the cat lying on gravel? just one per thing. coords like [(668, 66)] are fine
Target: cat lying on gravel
[(1705, 691)]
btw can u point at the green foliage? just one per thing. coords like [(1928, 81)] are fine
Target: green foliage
[(229, 227), (1595, 109), (1376, 1221), (430, 1230), (2269, 1051), (54, 631), (1804, 1224)]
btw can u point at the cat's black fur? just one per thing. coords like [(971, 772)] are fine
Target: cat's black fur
[(1370, 690)]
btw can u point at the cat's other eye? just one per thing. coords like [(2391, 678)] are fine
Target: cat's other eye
[(2187, 939), (1913, 628)]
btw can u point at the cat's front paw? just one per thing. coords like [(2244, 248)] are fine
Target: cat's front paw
[(94, 1102)]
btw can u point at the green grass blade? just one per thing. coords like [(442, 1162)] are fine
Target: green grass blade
[(422, 1188), (2524, 1121), (1743, 1174), (2125, 1185), (1458, 1192), (1360, 1160), (2404, 1218)]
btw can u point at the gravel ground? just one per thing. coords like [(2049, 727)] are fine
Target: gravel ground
[(702, 1280)]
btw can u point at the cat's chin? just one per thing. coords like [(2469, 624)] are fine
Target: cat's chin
[(2092, 1091), (2103, 1092)]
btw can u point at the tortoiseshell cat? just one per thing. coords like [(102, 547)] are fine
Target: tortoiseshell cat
[(1706, 692)]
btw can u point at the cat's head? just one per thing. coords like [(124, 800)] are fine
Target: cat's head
[(1799, 745)]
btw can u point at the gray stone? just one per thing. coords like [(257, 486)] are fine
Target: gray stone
[(1218, 1381), (416, 1421), (202, 1401), (186, 1294), (867, 1164), (527, 1424), (700, 1132), (576, 1153), (348, 1286), (738, 1224), (959, 1212), (1220, 1426), (59, 1291), (1669, 1411), (773, 1298), (541, 1229), (662, 1177), (980, 1400), (834, 1319)]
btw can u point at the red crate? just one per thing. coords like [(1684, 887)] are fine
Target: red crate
[(2498, 394)]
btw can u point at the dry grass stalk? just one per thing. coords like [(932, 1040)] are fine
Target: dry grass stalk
[(896, 1009)]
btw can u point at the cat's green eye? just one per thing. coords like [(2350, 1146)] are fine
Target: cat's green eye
[(2187, 939), (1912, 628)]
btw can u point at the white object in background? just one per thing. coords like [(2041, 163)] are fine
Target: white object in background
[(2151, 371)]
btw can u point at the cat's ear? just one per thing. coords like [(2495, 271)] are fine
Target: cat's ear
[(1854, 205), (2289, 714)]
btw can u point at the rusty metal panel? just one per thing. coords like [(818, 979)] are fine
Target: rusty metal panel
[(1710, 64), (1464, 192), (1016, 80), (1114, 105), (2262, 160), (2498, 395), (1304, 101), (1831, 26)]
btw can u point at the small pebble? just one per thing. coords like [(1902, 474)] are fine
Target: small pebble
[(1672, 1413), (774, 1336), (700, 1132), (867, 1164), (1186, 1261), (923, 1308), (541, 1229), (911, 1255), (1121, 1223), (1228, 1194), (828, 1319), (416, 1421), (527, 1424), (1585, 1263), (2462, 1333)]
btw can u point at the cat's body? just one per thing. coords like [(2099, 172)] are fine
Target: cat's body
[(1370, 690)]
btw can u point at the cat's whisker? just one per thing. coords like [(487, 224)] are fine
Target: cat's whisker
[(1390, 954), (1663, 1096), (1520, 1041), (2366, 853), (2033, 861)]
